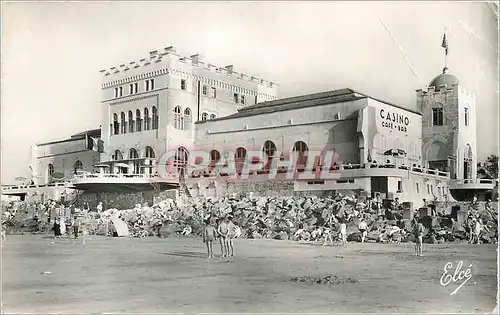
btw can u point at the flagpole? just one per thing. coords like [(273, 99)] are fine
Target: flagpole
[(445, 46), (445, 51)]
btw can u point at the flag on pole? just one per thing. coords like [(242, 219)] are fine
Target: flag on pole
[(95, 144), (444, 44)]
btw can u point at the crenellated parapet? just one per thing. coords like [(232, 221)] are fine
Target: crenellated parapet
[(159, 56)]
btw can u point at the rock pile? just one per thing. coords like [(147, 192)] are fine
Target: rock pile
[(296, 218)]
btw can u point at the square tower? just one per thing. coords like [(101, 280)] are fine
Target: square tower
[(448, 127)]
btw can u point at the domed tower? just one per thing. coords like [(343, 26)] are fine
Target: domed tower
[(448, 126)]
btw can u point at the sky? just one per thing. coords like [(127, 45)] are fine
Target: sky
[(52, 54)]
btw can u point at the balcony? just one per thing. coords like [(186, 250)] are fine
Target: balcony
[(466, 189), (21, 190), (123, 182), (393, 170)]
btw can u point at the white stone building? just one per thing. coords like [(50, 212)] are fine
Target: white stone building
[(150, 105)]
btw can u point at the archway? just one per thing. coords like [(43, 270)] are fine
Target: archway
[(301, 148), (181, 161), (239, 158), (118, 155), (149, 152), (132, 154), (269, 150), (78, 166), (50, 172), (437, 156)]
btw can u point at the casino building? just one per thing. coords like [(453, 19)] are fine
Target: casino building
[(168, 101)]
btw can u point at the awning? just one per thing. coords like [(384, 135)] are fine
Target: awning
[(395, 152), (122, 165)]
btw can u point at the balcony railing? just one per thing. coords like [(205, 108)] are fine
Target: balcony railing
[(211, 172), (18, 187), (100, 177), (474, 181)]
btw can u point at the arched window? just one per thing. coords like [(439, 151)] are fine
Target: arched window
[(466, 116), (147, 119), (132, 154), (155, 117), (138, 120), (181, 161), (50, 171), (214, 157), (239, 158), (78, 166), (204, 117), (130, 121), (123, 122), (213, 116), (269, 150), (118, 155), (178, 118), (301, 148), (150, 153), (116, 124), (188, 120)]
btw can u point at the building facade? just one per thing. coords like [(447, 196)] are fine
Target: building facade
[(169, 102), (60, 161), (151, 105), (449, 126), (376, 144)]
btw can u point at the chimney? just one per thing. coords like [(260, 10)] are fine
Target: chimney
[(229, 69), (195, 59), (153, 53), (169, 49)]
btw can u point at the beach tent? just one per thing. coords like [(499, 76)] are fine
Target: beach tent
[(120, 226)]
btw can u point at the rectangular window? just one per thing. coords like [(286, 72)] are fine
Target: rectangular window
[(243, 99), (336, 116), (437, 117), (428, 189), (432, 190), (235, 98), (146, 83), (116, 92), (400, 186), (120, 91), (204, 90), (133, 88), (466, 116), (214, 92), (418, 189), (183, 85), (152, 84)]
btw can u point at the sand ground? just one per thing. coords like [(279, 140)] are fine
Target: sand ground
[(173, 275)]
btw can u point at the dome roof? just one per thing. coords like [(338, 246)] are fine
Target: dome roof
[(444, 78)]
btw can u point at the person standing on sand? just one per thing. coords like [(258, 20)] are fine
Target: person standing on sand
[(343, 233), (478, 228), (419, 233), (76, 227), (57, 228), (363, 229), (223, 231), (232, 234), (209, 235)]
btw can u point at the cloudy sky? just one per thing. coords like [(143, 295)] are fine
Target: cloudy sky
[(52, 54)]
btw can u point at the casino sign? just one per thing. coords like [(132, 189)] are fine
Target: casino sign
[(394, 121)]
